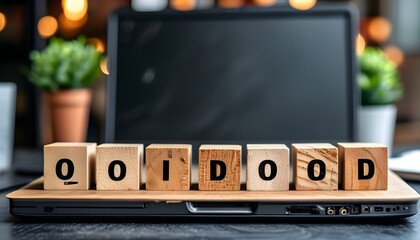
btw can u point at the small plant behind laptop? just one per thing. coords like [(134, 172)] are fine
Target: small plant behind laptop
[(65, 70), (317, 167), (380, 89)]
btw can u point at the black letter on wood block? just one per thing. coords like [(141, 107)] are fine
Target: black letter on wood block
[(59, 169), (165, 170), (273, 168), (361, 169), (311, 170), (111, 170), (213, 170)]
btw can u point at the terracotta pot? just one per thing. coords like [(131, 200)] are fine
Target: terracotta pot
[(69, 110)]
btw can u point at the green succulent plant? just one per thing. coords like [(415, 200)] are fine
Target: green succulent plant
[(64, 65), (378, 78)]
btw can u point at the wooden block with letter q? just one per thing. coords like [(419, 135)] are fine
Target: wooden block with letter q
[(364, 166), (219, 167), (118, 166), (69, 165), (267, 167), (315, 166), (168, 166)]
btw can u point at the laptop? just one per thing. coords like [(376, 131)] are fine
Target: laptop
[(223, 76)]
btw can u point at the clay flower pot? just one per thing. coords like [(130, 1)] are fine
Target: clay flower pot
[(69, 110)]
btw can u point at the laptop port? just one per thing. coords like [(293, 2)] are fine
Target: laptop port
[(331, 211), (344, 211), (365, 209), (379, 209), (355, 209)]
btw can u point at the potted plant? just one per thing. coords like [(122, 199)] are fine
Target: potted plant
[(380, 89), (65, 70)]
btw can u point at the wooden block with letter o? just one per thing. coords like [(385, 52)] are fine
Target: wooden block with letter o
[(168, 166), (364, 166), (315, 166), (118, 166), (69, 165), (267, 167), (219, 167)]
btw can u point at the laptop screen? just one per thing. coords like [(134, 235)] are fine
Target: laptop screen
[(231, 77)]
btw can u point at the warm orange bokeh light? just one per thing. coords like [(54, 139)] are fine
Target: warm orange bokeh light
[(97, 43), (47, 26), (183, 5), (395, 54), (230, 3), (74, 10), (69, 25), (302, 4), (360, 44), (3, 21), (379, 29), (264, 3), (104, 65)]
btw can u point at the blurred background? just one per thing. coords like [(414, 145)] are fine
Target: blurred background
[(25, 25)]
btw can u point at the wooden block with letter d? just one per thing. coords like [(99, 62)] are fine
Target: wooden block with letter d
[(267, 167), (315, 166), (69, 165), (168, 166), (118, 166), (219, 167), (364, 166)]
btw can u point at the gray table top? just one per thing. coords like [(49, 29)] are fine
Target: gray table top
[(13, 228)]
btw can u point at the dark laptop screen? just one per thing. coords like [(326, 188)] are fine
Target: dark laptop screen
[(233, 78)]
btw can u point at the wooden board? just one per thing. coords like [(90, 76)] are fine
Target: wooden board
[(397, 191)]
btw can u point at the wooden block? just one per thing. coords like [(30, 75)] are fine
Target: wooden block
[(315, 166), (364, 166), (69, 165), (168, 166), (267, 167), (219, 167), (118, 166)]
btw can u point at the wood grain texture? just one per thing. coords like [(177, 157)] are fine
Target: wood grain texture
[(131, 156), (179, 157), (277, 154), (350, 153), (230, 155), (303, 155), (398, 190), (82, 156)]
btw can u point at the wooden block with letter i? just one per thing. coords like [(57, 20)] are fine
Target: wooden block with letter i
[(219, 167), (267, 167), (364, 166), (118, 166), (168, 166), (315, 166), (69, 165)]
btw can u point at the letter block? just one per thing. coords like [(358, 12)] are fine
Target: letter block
[(168, 166), (267, 167), (69, 165), (118, 166), (219, 167), (315, 166), (364, 166)]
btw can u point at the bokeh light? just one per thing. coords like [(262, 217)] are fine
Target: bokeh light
[(3, 21), (395, 54), (183, 5), (74, 10), (264, 3), (360, 44), (302, 5), (97, 43), (47, 26), (104, 65), (379, 29), (230, 3)]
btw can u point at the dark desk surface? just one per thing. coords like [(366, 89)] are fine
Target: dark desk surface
[(13, 228)]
